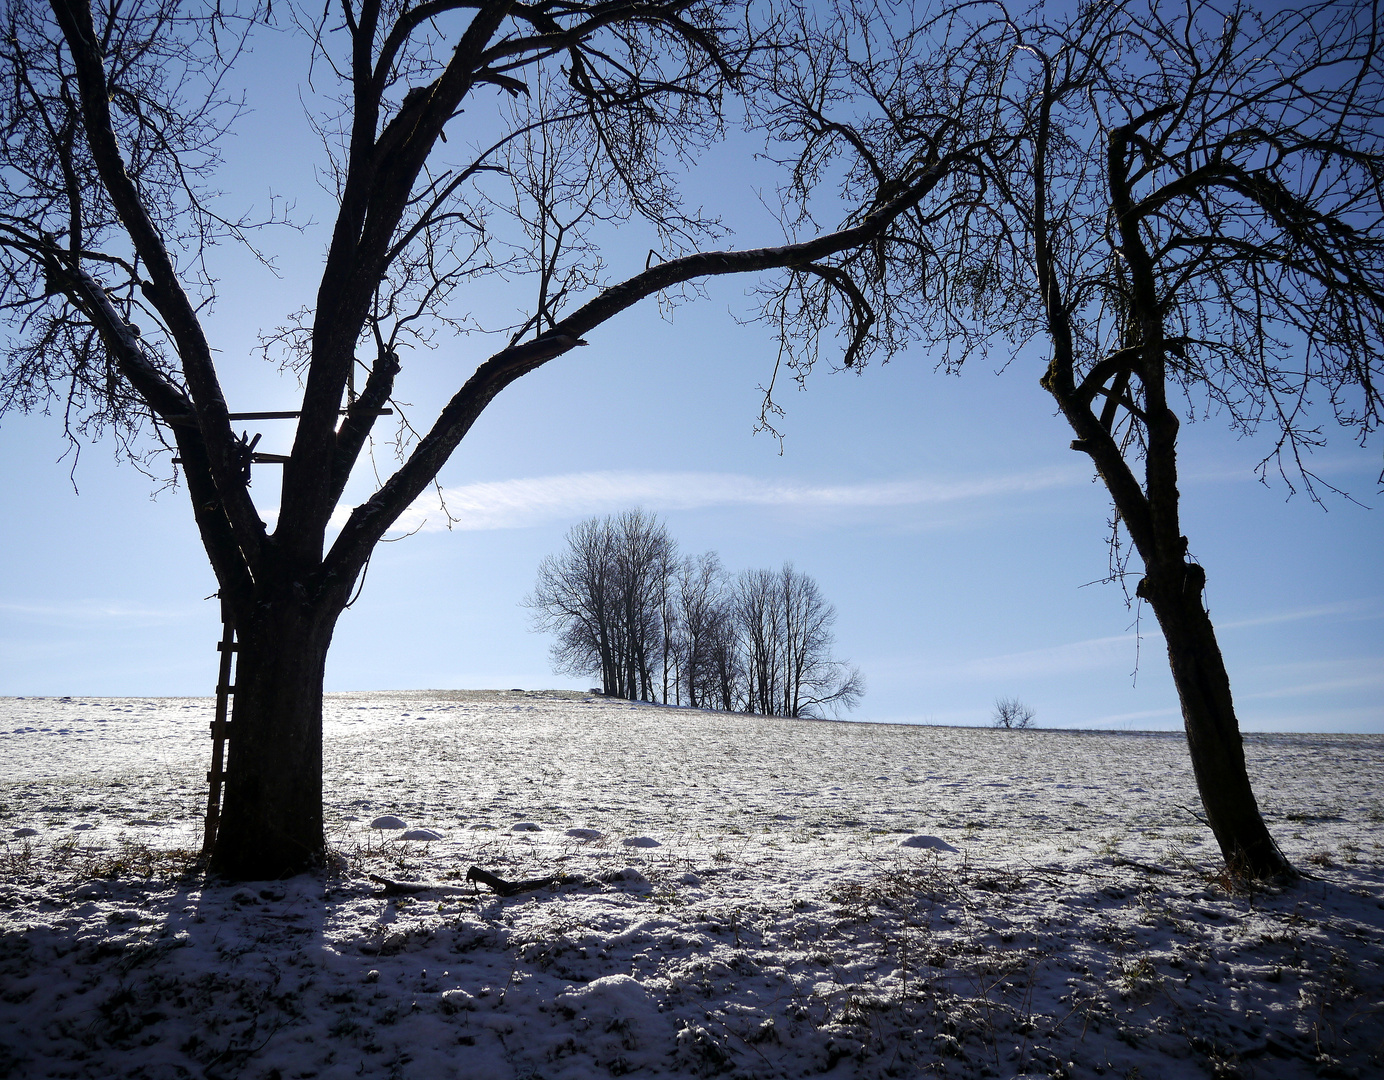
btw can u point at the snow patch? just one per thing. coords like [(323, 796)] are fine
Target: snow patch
[(458, 1000), (1086, 932)]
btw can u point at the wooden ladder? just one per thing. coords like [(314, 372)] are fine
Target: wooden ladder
[(220, 726)]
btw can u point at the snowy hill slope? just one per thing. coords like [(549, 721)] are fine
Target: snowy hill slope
[(749, 897)]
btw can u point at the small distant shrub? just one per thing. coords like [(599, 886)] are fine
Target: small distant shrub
[(1011, 713)]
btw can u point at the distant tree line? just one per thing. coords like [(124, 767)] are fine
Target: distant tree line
[(656, 626)]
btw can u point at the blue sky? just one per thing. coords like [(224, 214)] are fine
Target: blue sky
[(944, 516)]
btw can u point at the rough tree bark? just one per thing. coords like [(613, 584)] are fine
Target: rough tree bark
[(272, 815)]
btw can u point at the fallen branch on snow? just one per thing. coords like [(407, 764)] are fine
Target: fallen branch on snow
[(390, 887), (509, 888)]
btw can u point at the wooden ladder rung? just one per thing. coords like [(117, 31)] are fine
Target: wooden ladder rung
[(220, 727)]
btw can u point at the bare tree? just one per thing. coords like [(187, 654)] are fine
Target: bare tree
[(644, 558), (785, 627), (576, 598), (563, 120), (758, 616), (728, 681), (761, 643), (699, 628), (1011, 713), (605, 598), (814, 682), (1180, 200)]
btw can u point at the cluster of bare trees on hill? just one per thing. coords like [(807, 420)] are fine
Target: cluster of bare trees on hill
[(681, 630)]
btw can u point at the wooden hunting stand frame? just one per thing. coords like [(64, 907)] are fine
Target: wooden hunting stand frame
[(220, 725), (227, 647)]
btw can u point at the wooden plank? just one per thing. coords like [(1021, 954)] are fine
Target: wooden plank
[(295, 415), (219, 728)]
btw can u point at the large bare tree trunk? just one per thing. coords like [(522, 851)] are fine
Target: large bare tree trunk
[(1213, 731), (271, 823)]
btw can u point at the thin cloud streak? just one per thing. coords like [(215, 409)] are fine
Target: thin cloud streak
[(1089, 655), (1304, 689), (90, 611), (1357, 608), (517, 504), (1130, 721)]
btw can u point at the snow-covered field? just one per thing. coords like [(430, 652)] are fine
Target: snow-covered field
[(753, 898)]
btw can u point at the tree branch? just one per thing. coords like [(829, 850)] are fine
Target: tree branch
[(165, 291), (369, 521)]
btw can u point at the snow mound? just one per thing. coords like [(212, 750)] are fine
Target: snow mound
[(421, 834), (584, 834), (612, 997), (623, 1029), (455, 1001), (933, 843), (389, 821), (640, 841), (526, 826)]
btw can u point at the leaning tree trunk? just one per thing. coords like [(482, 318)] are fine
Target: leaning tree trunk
[(271, 820), (1131, 380), (1208, 714), (1173, 588)]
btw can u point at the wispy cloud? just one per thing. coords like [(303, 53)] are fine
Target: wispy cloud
[(1147, 720), (1104, 652), (514, 504), (1088, 655), (1316, 689), (1365, 466), (85, 612), (1360, 609)]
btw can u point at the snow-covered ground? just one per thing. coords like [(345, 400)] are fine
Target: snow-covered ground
[(753, 898)]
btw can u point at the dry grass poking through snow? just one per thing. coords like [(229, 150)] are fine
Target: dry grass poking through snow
[(778, 928)]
